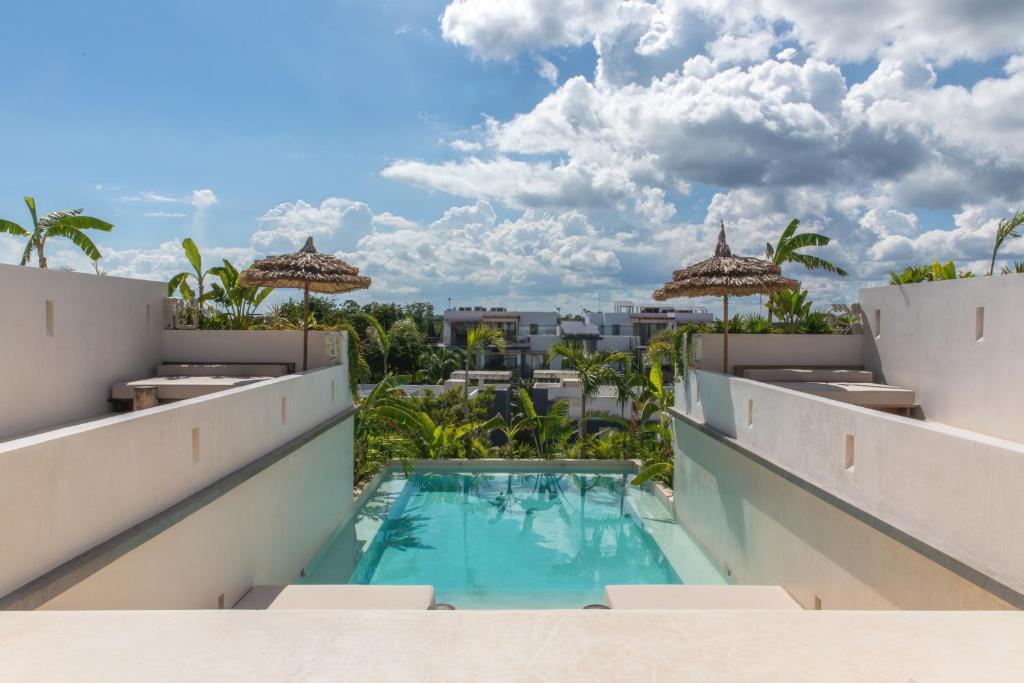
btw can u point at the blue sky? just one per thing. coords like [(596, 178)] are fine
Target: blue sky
[(520, 152)]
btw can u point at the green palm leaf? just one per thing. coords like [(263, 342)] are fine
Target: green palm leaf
[(54, 217), (808, 239), (658, 468), (816, 263), (175, 282), (85, 223), (78, 238), (12, 228), (192, 254)]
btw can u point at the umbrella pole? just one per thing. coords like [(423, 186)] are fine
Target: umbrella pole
[(725, 338), (305, 326)]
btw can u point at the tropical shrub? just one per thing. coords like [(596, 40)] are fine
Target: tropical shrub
[(238, 304)]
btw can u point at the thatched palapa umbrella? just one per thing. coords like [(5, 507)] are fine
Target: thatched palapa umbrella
[(308, 270), (726, 275)]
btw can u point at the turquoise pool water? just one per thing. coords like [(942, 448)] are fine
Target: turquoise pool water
[(501, 540)]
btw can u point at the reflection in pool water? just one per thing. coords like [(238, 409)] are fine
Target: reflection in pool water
[(512, 540)]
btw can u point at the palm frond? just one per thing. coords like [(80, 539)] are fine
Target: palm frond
[(52, 218), (78, 238), (809, 239), (85, 223), (817, 263), (789, 231), (12, 228)]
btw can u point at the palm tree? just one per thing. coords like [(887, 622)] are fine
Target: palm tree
[(786, 250), (1007, 229), (630, 385), (437, 365), (179, 283), (66, 223), (478, 338), (594, 370), (380, 337)]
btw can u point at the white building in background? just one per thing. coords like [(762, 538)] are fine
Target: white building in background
[(630, 326), (529, 334)]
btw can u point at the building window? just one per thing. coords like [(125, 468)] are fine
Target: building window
[(616, 330), (533, 328)]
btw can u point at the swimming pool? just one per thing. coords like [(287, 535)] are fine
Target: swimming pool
[(529, 538)]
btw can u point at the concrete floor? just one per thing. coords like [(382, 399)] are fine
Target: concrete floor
[(578, 645)]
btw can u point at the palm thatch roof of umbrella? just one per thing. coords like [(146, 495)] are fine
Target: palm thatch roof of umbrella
[(726, 275), (305, 269), (310, 271)]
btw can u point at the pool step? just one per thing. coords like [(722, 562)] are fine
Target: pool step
[(698, 597), (311, 596)]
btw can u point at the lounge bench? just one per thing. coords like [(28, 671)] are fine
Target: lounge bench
[(224, 369), (698, 597), (847, 385), (312, 596), (179, 388), (866, 394), (808, 375)]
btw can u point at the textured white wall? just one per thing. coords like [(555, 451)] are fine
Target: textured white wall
[(262, 532), (768, 531), (781, 349), (67, 490), (955, 490), (105, 330), (244, 346), (928, 341)]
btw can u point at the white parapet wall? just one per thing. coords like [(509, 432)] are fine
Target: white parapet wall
[(262, 532), (959, 344), (782, 349), (244, 346), (884, 485), (65, 338), (65, 491)]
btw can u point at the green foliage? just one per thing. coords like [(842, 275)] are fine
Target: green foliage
[(787, 249), (755, 323), (384, 348), (1008, 228), (437, 365), (407, 345), (66, 223), (657, 470), (922, 273), (594, 370), (1015, 267), (816, 322), (179, 283), (238, 303), (791, 307)]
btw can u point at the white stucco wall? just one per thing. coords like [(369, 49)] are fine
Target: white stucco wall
[(104, 330), (955, 490), (768, 531), (929, 341), (781, 349), (262, 532), (244, 346), (65, 491)]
